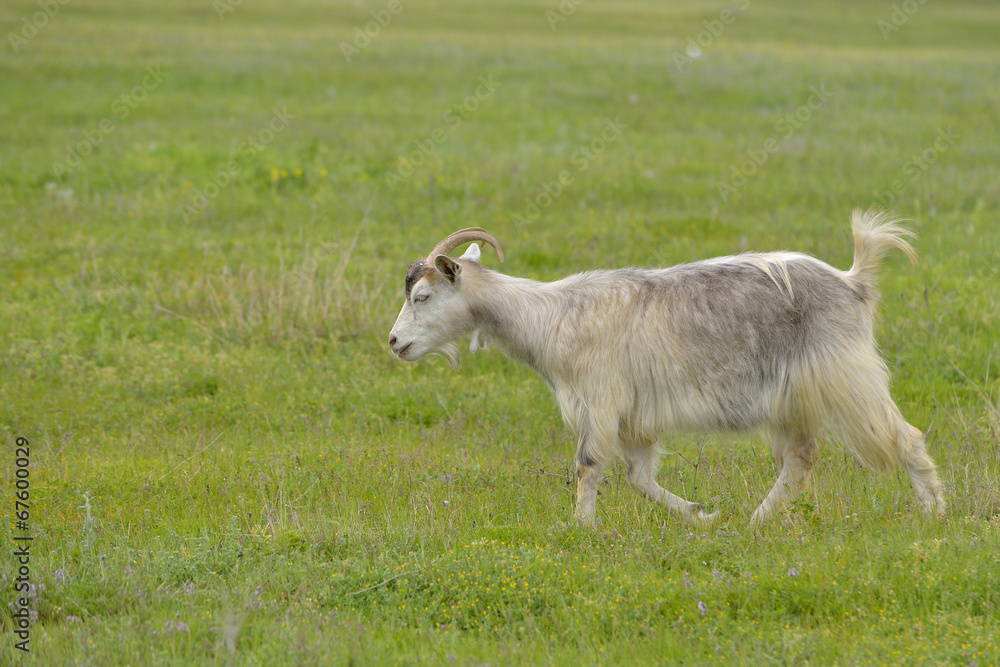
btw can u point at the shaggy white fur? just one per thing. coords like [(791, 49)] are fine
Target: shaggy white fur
[(777, 342)]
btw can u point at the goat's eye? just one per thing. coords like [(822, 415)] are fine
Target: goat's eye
[(421, 298)]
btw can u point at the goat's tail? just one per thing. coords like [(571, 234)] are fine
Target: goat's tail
[(875, 233)]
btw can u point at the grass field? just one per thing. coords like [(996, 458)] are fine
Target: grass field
[(206, 212)]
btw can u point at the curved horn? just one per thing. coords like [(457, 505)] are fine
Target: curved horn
[(464, 236)]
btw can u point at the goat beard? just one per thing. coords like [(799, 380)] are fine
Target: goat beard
[(450, 353)]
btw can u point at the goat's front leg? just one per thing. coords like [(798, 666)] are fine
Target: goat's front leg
[(590, 463), (641, 461)]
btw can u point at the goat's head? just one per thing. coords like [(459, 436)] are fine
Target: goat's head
[(436, 311)]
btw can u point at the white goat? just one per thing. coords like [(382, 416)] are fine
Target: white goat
[(776, 342)]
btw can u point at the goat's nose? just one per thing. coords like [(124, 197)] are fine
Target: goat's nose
[(392, 341)]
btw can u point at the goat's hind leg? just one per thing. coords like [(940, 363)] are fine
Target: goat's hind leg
[(795, 456), (641, 462), (922, 471)]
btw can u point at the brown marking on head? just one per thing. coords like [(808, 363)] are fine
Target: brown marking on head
[(415, 272)]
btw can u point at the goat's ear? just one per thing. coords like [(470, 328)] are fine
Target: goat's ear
[(473, 254), (448, 267)]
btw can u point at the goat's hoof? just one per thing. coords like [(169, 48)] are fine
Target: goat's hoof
[(756, 523), (935, 511), (707, 518)]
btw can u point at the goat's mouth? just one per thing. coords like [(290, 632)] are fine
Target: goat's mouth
[(402, 350)]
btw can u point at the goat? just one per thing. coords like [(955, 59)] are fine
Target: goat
[(780, 343)]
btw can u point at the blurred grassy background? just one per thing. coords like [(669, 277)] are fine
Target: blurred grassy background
[(216, 379)]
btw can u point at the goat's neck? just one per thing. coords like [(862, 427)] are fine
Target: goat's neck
[(514, 313)]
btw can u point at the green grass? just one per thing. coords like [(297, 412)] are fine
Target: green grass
[(257, 467)]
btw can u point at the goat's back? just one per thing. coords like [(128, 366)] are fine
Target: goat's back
[(710, 345)]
